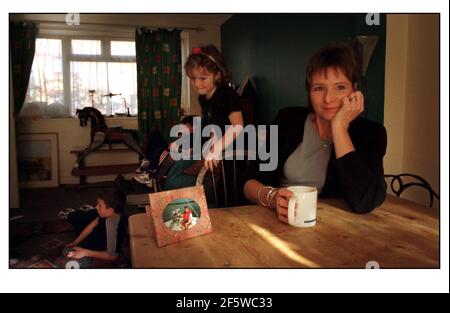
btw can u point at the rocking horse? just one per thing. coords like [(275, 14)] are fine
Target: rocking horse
[(102, 134)]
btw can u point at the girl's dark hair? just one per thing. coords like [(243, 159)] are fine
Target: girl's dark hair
[(114, 199), (188, 120), (338, 55), (210, 58)]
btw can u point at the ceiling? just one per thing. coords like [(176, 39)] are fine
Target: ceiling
[(126, 19)]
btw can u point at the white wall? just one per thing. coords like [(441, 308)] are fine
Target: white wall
[(412, 99), (14, 201), (70, 134), (73, 137)]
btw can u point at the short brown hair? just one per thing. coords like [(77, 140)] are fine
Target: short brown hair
[(215, 63), (339, 56), (115, 199)]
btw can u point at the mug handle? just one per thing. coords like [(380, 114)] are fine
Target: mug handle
[(291, 210)]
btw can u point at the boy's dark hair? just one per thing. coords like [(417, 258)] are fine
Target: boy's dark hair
[(212, 60), (114, 199), (337, 55)]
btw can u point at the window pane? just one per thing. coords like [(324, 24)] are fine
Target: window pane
[(87, 76), (123, 48), (45, 96), (104, 78), (122, 79), (87, 47)]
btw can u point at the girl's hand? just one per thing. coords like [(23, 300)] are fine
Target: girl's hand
[(352, 106), (78, 253), (212, 160), (282, 201)]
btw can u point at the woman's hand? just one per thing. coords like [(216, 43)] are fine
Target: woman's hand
[(71, 245), (351, 107), (78, 253), (282, 202)]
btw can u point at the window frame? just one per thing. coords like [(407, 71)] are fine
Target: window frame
[(124, 35)]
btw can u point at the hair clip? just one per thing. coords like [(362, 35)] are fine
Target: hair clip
[(196, 50)]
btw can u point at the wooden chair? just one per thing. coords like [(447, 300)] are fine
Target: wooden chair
[(219, 182), (235, 155), (200, 179)]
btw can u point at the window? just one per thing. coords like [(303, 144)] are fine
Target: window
[(82, 72), (123, 48), (45, 89), (70, 72), (106, 80), (86, 47)]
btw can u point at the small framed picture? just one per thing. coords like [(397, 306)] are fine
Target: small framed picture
[(179, 214), (37, 160)]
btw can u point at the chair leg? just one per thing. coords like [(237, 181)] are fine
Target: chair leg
[(224, 184), (214, 187), (234, 181)]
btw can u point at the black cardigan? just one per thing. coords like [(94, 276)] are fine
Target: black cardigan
[(358, 176)]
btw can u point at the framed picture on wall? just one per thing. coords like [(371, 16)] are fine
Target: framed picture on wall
[(37, 160)]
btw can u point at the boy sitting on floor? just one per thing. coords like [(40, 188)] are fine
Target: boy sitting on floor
[(100, 232)]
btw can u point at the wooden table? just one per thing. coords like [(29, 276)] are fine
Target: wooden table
[(398, 234)]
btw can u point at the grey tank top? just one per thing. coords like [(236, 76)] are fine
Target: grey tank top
[(307, 165)]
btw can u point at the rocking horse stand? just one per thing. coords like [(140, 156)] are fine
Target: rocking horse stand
[(100, 135)]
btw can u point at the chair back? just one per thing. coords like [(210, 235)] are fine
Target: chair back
[(416, 181)]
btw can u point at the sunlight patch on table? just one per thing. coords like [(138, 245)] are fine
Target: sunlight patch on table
[(282, 246)]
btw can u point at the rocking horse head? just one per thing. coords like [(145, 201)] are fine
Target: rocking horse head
[(92, 114), (83, 116)]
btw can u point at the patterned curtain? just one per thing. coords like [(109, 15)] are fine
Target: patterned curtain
[(22, 42), (158, 60)]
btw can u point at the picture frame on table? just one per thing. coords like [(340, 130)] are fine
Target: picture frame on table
[(179, 214), (38, 160)]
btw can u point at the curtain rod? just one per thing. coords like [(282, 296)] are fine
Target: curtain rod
[(198, 29)]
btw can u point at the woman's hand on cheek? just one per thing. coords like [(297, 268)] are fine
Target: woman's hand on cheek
[(351, 107), (282, 202)]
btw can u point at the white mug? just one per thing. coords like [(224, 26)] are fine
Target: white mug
[(302, 207)]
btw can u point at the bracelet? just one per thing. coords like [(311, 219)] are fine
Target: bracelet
[(259, 195), (273, 195), (269, 195)]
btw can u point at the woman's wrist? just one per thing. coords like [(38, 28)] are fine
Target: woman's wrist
[(262, 196), (273, 199), (342, 141), (339, 128), (266, 195)]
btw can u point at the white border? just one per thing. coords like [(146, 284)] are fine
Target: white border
[(231, 280)]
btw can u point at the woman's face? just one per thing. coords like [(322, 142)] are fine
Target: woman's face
[(327, 90), (203, 81)]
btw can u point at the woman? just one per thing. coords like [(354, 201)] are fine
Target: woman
[(326, 145)]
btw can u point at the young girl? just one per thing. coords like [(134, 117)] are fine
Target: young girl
[(210, 78)]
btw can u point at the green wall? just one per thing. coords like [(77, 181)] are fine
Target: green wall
[(274, 49)]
